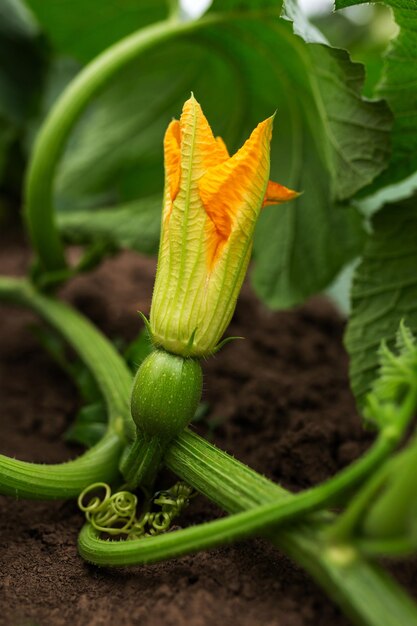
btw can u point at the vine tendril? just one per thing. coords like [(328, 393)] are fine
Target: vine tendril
[(116, 514)]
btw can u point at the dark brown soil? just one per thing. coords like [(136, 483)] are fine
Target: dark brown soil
[(279, 401)]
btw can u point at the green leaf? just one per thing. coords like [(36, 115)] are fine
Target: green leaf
[(83, 28), (398, 85), (299, 252), (138, 350), (384, 291), (328, 141), (134, 225), (396, 378), (53, 343), (119, 139), (89, 426), (332, 145)]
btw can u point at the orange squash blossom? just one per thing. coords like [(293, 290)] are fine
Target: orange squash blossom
[(211, 204)]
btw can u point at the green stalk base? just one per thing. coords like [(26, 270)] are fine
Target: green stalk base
[(100, 463), (141, 464)]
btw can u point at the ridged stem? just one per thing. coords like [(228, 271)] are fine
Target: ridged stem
[(66, 480), (36, 481), (141, 464), (363, 590)]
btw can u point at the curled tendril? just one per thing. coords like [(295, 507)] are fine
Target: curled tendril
[(116, 514)]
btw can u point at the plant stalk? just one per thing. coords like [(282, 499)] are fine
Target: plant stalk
[(290, 508), (67, 480), (364, 592), (141, 464)]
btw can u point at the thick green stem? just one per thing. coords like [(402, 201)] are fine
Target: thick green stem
[(141, 464), (392, 514), (365, 592), (66, 480), (53, 135)]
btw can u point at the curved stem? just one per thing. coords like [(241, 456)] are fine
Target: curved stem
[(142, 462), (394, 547), (110, 371), (52, 137), (356, 513), (65, 480), (256, 520), (364, 591)]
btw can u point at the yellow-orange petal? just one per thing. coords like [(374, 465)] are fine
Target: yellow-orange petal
[(172, 157), (222, 148), (235, 185), (208, 150), (277, 194)]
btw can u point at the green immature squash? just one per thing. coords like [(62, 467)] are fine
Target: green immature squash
[(166, 392)]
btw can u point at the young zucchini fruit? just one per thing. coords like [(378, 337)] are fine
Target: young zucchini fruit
[(165, 395)]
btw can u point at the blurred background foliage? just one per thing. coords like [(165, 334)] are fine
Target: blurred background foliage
[(365, 31), (335, 139), (110, 179)]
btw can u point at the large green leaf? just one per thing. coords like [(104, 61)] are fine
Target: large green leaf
[(328, 141), (337, 141), (384, 290), (83, 28), (398, 86), (134, 225), (119, 140)]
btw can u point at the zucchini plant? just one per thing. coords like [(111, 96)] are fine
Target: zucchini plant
[(338, 149)]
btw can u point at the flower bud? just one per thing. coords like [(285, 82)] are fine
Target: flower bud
[(212, 202)]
